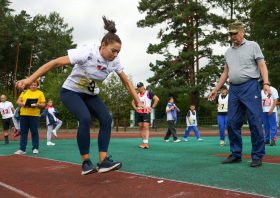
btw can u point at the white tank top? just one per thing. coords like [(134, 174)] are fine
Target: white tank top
[(266, 101), (223, 104), (192, 118), (145, 100)]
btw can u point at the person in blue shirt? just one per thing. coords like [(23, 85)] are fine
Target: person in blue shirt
[(171, 116)]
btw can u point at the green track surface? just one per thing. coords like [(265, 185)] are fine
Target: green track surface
[(185, 161)]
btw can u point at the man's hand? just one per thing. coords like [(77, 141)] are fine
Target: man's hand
[(267, 90), (270, 112), (212, 95), (141, 105), (190, 122), (149, 109)]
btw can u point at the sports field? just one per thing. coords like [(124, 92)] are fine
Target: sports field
[(185, 169)]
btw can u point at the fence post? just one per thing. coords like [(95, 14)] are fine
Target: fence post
[(67, 127), (124, 125), (117, 125)]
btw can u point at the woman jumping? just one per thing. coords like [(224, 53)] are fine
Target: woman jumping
[(92, 65)]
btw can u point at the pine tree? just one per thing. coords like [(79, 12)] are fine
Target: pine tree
[(266, 32), (190, 29)]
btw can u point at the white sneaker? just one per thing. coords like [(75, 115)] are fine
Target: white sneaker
[(19, 152), (186, 140), (199, 140), (222, 143), (35, 151), (166, 140), (177, 141), (54, 133), (50, 144)]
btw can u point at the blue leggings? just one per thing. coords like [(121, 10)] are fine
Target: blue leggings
[(222, 121), (188, 130), (270, 124), (81, 105)]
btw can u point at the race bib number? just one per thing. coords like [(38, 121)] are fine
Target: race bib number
[(5, 112), (266, 102), (193, 121), (223, 106), (141, 110)]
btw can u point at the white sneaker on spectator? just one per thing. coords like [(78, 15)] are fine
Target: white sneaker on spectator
[(19, 152), (50, 144), (166, 140), (186, 139), (54, 133), (35, 151), (222, 143), (177, 140), (199, 139)]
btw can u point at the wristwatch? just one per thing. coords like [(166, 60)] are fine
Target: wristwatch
[(266, 84)]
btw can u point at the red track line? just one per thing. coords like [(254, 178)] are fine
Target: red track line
[(229, 192)]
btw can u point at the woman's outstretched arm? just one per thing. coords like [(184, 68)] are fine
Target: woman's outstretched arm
[(128, 85), (42, 70)]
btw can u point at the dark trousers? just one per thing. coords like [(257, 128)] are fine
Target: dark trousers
[(245, 98), (171, 130), (26, 123), (81, 105)]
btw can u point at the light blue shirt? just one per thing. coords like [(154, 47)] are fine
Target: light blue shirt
[(273, 97)]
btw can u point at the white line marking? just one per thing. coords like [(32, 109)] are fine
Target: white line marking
[(177, 181), (16, 190)]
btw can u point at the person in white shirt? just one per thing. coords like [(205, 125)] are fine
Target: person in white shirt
[(222, 105), (192, 124), (79, 92), (50, 113), (7, 111), (144, 116), (269, 115)]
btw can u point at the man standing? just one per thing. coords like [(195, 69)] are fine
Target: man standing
[(244, 62), (222, 105), (7, 110), (269, 115), (171, 116), (146, 98)]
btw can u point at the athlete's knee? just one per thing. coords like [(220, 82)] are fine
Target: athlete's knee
[(84, 119), (106, 120), (146, 126)]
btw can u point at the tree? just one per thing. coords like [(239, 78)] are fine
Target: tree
[(190, 29), (116, 97), (266, 32)]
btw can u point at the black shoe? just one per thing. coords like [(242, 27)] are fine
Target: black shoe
[(267, 142), (108, 165), (88, 168), (6, 143), (231, 159), (273, 143), (256, 163)]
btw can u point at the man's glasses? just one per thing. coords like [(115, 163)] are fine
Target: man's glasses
[(233, 34)]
